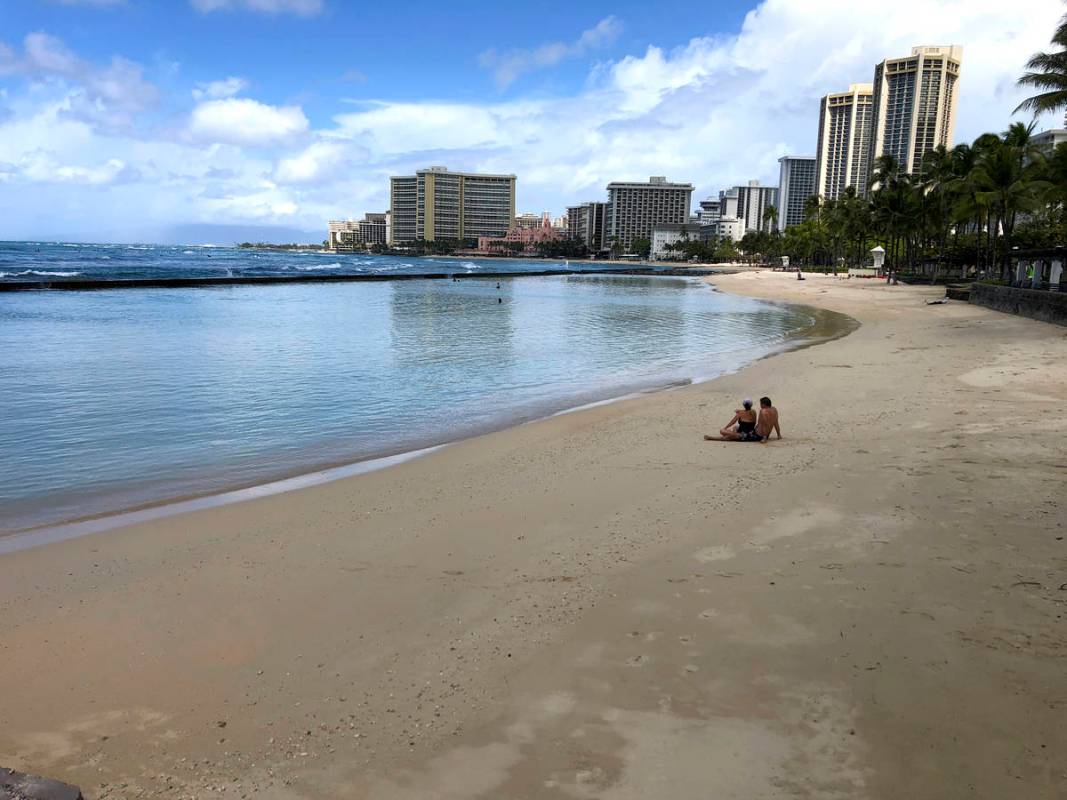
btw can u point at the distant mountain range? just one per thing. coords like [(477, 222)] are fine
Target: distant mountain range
[(235, 234)]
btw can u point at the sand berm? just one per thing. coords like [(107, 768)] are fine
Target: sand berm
[(601, 604)]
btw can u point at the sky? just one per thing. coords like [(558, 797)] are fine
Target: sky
[(169, 120)]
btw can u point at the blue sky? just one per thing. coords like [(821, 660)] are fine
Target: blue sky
[(122, 119)]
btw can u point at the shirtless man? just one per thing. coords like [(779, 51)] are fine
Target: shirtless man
[(741, 429), (767, 421)]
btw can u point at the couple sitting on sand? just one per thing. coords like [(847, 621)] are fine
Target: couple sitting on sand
[(748, 426)]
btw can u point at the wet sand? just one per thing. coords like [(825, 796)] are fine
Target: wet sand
[(601, 604)]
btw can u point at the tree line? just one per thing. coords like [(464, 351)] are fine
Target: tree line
[(963, 209)]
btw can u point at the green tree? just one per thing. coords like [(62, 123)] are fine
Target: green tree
[(641, 246), (725, 251), (1047, 72)]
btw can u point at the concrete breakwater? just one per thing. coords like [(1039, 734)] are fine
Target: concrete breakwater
[(1037, 304), (92, 284)]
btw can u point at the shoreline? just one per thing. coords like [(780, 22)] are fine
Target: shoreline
[(827, 326), (600, 604)]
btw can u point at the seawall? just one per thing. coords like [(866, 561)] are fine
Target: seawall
[(92, 284), (1041, 305)]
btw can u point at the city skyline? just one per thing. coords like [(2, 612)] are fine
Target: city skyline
[(95, 122)]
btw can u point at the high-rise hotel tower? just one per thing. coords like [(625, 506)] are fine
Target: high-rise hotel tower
[(842, 157), (435, 203), (634, 208), (914, 104), (796, 183)]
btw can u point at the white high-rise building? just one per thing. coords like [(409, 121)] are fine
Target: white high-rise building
[(796, 183), (914, 107), (843, 153), (748, 203)]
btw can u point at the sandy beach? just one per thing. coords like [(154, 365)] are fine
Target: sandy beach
[(601, 604)]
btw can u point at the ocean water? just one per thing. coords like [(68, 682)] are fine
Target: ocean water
[(36, 261), (113, 399)]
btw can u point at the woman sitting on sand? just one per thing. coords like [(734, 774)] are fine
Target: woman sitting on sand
[(742, 427)]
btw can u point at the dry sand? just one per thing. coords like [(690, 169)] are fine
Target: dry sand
[(602, 605)]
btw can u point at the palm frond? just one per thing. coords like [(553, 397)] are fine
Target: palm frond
[(1043, 103), (1044, 62), (1044, 80)]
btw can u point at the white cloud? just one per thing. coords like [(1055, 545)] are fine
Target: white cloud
[(305, 8), (217, 90), (42, 167), (714, 111), (717, 110), (47, 54), (242, 121), (509, 65), (108, 96), (321, 161)]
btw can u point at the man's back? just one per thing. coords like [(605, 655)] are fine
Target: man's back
[(768, 419)]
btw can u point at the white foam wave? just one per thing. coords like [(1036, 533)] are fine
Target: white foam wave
[(41, 272), (188, 252), (334, 265)]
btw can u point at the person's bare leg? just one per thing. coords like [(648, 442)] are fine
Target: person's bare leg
[(725, 435)]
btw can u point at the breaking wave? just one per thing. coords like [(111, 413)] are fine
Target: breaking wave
[(41, 272)]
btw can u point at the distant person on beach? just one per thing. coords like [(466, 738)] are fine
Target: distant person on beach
[(743, 424), (748, 426)]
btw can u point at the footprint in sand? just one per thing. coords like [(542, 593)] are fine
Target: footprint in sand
[(637, 661)]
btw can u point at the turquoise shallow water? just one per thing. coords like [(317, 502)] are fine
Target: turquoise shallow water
[(114, 399)]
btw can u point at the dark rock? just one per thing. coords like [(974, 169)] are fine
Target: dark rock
[(18, 786)]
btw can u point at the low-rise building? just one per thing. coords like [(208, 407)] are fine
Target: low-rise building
[(348, 234), (1049, 140), (732, 228), (667, 234), (518, 241)]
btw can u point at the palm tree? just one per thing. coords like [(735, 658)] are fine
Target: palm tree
[(770, 218), (1009, 185), (1048, 74), (812, 207)]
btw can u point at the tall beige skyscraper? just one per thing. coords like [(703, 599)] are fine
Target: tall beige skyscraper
[(843, 153), (915, 104), (436, 203)]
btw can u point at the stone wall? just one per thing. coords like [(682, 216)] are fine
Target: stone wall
[(1036, 304)]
